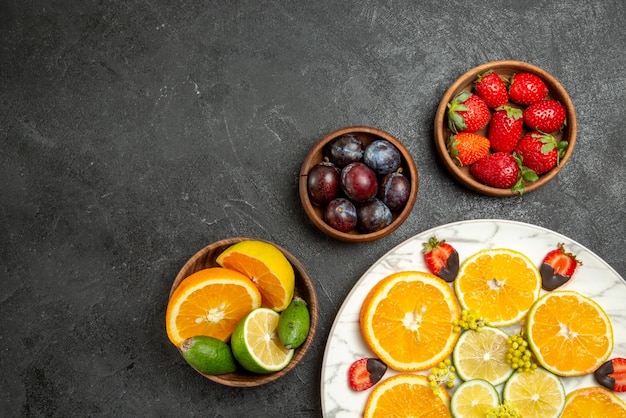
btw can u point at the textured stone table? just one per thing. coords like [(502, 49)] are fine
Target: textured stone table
[(134, 133)]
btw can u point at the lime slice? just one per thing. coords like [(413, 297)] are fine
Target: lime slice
[(539, 393), (256, 345), (482, 355), (474, 399)]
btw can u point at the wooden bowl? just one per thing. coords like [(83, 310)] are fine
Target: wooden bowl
[(506, 69), (205, 258), (367, 135)]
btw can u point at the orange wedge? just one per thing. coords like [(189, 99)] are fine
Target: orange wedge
[(210, 302), (569, 333), (266, 266), (593, 402), (499, 284), (407, 395), (407, 320)]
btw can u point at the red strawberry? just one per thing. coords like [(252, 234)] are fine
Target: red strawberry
[(491, 88), (540, 152), (467, 148), (505, 129), (441, 258), (365, 373), (467, 112), (545, 116), (557, 268), (500, 170), (527, 88), (612, 374)]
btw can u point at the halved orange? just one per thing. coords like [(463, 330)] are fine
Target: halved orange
[(266, 266), (407, 320), (499, 284), (407, 395), (569, 333), (210, 302), (593, 402)]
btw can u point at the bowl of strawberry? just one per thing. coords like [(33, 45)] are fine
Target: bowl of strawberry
[(358, 184), (505, 128)]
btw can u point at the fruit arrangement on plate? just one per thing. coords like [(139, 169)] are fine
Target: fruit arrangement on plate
[(505, 128), (242, 312), (485, 341)]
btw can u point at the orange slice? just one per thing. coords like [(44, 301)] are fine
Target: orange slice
[(407, 395), (499, 284), (593, 402), (210, 302), (569, 333), (407, 320), (266, 266)]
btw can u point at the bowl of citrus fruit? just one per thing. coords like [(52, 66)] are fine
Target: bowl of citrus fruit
[(505, 128), (242, 312), (358, 184)]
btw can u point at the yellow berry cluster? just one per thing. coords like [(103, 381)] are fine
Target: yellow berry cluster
[(442, 375), (520, 357), (504, 410), (469, 320)]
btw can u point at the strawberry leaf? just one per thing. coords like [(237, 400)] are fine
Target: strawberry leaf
[(529, 175)]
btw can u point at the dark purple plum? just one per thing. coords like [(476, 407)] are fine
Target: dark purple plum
[(340, 214), (382, 157), (373, 216), (346, 149), (323, 183), (359, 182), (394, 190)]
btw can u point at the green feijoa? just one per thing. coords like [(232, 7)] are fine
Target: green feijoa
[(208, 355), (294, 323)]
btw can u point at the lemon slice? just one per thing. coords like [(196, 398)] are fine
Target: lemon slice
[(482, 355), (256, 345), (535, 394), (499, 284), (266, 266), (474, 399)]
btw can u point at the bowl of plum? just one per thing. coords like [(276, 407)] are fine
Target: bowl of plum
[(358, 184), (505, 128)]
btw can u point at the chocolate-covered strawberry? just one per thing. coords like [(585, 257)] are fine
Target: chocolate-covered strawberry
[(365, 373), (612, 374), (557, 267), (441, 258)]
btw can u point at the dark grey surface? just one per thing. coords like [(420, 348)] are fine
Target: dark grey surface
[(134, 133)]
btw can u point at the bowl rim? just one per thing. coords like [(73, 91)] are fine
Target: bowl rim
[(556, 90), (206, 255), (357, 237)]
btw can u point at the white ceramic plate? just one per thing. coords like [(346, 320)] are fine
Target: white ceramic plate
[(595, 279)]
